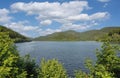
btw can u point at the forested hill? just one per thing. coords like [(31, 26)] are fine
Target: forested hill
[(92, 35), (14, 35)]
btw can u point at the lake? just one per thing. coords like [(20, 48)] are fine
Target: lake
[(71, 54)]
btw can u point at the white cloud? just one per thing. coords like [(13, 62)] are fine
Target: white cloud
[(86, 17), (30, 31), (48, 31), (53, 11), (69, 14), (4, 17), (103, 0), (82, 26), (80, 17), (100, 16), (19, 26), (46, 22), (22, 28), (71, 26)]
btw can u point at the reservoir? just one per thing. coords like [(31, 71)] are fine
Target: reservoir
[(71, 54)]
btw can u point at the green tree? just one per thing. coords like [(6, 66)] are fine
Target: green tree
[(8, 59), (108, 57), (29, 66), (107, 64), (51, 69), (81, 74)]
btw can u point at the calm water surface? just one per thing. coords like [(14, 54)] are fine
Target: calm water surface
[(71, 54)]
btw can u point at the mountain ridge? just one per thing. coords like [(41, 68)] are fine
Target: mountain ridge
[(71, 35), (17, 37)]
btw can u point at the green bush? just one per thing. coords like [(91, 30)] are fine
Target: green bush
[(9, 58), (28, 65), (11, 64), (106, 66), (80, 74), (107, 57), (51, 69)]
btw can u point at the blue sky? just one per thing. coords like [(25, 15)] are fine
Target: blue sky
[(35, 18)]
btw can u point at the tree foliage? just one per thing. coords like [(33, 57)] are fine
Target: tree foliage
[(51, 69), (12, 65), (8, 58), (108, 58), (29, 66), (107, 64)]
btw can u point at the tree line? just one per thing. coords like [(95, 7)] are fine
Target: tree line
[(12, 65)]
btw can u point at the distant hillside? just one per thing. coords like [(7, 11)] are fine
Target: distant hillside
[(91, 35), (14, 35)]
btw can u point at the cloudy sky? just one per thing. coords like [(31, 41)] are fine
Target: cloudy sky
[(34, 18)]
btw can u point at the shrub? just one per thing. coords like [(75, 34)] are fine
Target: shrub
[(9, 58), (51, 69)]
